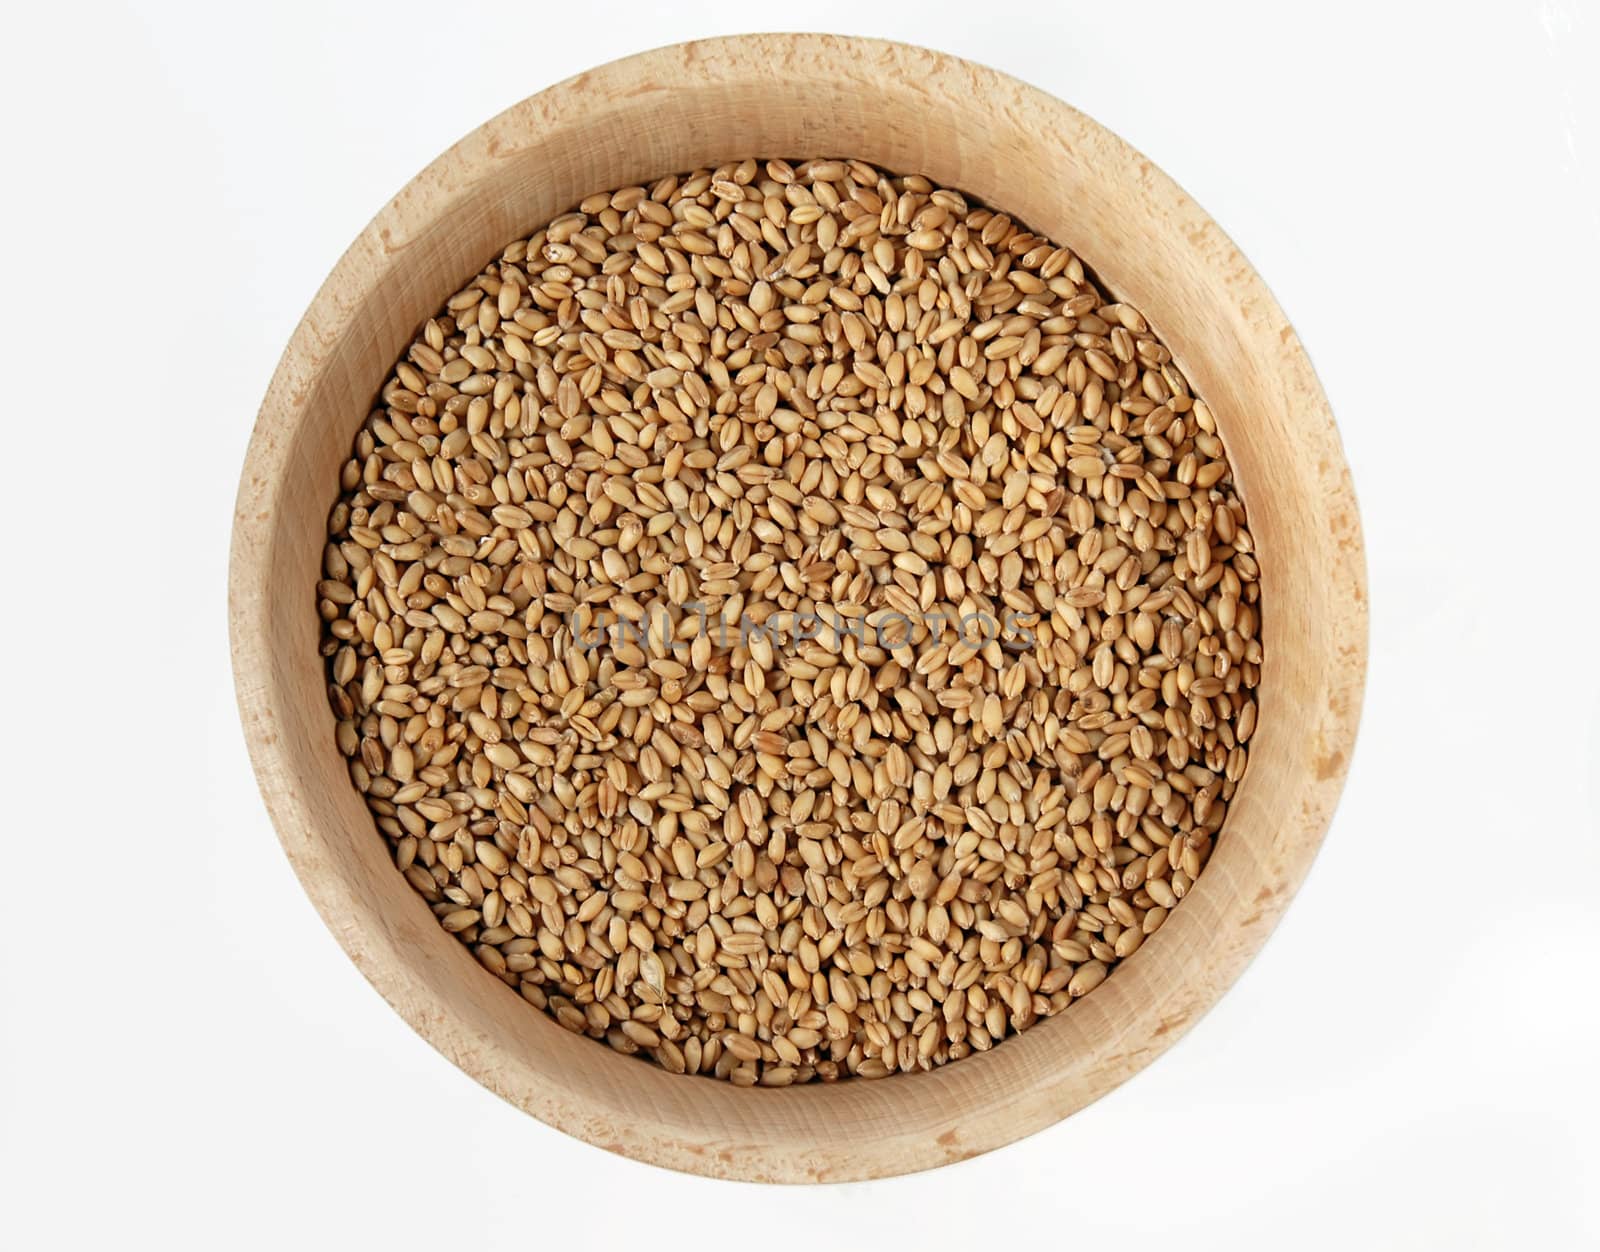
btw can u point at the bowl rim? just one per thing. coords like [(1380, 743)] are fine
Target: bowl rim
[(259, 682)]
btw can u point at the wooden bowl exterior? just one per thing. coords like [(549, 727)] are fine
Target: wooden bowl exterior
[(910, 111)]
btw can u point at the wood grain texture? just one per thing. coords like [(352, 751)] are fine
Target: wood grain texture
[(910, 111)]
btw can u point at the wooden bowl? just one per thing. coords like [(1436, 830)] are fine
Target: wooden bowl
[(911, 111)]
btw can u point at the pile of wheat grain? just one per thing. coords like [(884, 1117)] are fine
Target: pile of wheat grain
[(790, 624)]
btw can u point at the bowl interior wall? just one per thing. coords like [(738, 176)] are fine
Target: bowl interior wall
[(1004, 144)]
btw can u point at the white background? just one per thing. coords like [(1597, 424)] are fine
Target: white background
[(1411, 1063)]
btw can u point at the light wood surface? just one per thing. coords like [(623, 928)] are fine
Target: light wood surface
[(911, 111)]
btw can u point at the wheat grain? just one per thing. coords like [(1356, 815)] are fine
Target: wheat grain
[(791, 624)]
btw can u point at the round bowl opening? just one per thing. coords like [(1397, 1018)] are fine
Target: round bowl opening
[(911, 111)]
